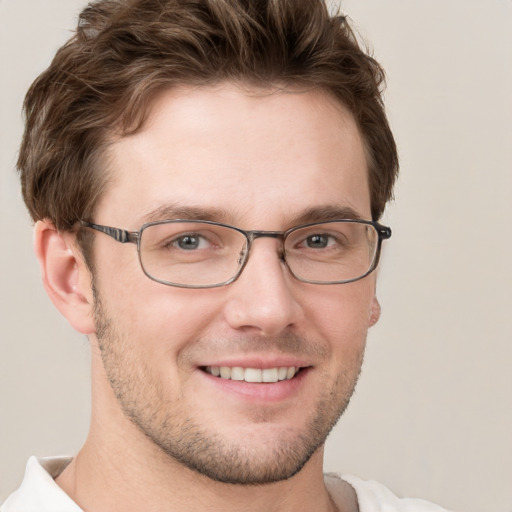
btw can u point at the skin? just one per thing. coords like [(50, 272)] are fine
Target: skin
[(165, 435)]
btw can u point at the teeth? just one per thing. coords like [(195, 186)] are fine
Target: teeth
[(237, 373), (282, 374), (270, 374), (253, 374)]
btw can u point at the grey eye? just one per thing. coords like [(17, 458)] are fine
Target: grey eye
[(317, 241), (188, 242)]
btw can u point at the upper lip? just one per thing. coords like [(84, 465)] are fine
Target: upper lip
[(259, 362)]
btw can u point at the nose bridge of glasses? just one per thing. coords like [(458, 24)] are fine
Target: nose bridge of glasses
[(265, 234), (279, 235)]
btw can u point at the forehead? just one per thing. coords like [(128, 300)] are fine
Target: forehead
[(257, 156)]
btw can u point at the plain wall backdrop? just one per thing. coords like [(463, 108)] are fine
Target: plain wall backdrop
[(432, 415)]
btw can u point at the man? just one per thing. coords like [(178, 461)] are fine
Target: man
[(206, 180)]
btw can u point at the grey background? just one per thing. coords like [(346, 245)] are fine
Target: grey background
[(432, 416)]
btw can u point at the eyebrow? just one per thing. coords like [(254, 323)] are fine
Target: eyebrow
[(175, 211), (327, 212), (310, 215)]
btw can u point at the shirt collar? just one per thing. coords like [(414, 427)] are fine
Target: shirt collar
[(38, 491)]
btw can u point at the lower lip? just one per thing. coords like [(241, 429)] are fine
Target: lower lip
[(261, 392)]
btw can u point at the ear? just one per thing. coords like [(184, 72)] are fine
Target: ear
[(374, 315), (66, 277)]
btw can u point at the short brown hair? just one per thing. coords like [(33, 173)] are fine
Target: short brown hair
[(124, 51)]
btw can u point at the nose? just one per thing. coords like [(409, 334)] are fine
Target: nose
[(264, 299)]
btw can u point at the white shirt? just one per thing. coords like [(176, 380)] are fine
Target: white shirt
[(39, 492)]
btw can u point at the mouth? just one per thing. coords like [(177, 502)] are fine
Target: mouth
[(254, 375)]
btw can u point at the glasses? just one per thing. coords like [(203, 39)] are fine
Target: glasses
[(205, 254)]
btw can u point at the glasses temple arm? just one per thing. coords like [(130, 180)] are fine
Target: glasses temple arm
[(120, 235)]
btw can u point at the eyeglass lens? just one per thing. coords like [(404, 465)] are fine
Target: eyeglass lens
[(202, 254)]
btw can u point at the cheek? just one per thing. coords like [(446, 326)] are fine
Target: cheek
[(341, 312), (150, 314)]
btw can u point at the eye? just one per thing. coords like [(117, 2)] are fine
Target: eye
[(324, 240), (190, 242), (318, 241)]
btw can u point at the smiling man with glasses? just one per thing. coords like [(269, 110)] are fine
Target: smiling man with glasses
[(243, 148)]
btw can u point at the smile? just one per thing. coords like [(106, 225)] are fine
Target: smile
[(253, 374)]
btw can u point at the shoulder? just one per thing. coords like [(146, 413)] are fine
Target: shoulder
[(375, 497)]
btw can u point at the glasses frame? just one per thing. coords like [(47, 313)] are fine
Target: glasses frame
[(134, 237)]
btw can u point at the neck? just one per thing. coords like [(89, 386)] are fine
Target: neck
[(105, 480)]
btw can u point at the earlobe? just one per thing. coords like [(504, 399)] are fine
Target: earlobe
[(65, 275), (374, 315)]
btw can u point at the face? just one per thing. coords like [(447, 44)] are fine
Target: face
[(260, 162)]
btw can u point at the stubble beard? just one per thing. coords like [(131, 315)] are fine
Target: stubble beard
[(143, 401)]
